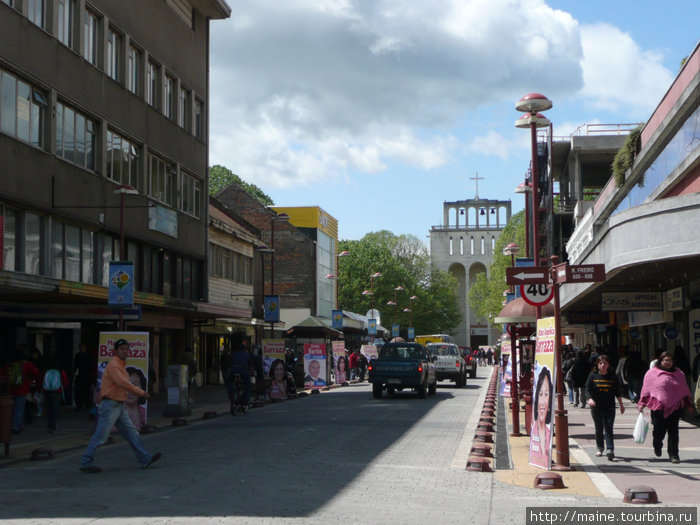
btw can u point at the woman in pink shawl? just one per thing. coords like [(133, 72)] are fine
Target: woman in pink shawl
[(665, 393)]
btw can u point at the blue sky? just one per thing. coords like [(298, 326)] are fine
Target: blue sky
[(380, 110)]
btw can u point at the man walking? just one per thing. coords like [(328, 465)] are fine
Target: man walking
[(115, 386)]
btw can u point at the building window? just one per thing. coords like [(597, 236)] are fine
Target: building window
[(122, 160), (191, 190), (133, 70), (198, 119), (32, 243), (183, 115), (87, 254), (162, 180), (65, 19), (169, 97), (461, 246), (471, 246), (482, 246), (90, 35), (35, 12), (71, 253), (114, 45), (75, 137), (152, 85), (22, 110), (9, 240), (451, 249)]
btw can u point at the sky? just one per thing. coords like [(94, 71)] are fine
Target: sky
[(378, 111)]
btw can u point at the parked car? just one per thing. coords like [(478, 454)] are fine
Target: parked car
[(449, 363), (400, 366), (470, 360)]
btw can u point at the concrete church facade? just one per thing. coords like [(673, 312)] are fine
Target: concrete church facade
[(464, 246)]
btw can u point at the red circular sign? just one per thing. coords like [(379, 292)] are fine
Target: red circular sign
[(536, 294)]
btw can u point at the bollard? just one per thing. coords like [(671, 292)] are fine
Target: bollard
[(209, 414), (479, 464), (483, 437), (549, 480), (488, 427), (481, 449), (640, 494), (179, 422), (147, 429), (41, 453)]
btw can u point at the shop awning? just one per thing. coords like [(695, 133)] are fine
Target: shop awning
[(518, 311)]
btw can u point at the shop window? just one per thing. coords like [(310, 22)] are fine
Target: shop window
[(32, 243), (9, 239)]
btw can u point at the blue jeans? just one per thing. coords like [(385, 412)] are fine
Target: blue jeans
[(53, 405), (604, 419), (112, 413), (18, 412)]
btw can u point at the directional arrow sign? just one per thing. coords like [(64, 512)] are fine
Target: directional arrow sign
[(527, 275)]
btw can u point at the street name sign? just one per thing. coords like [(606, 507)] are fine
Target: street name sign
[(527, 275), (579, 273)]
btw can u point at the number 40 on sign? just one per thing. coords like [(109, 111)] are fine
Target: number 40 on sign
[(536, 294)]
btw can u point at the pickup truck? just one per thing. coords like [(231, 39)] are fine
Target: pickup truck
[(469, 360), (449, 363), (400, 366)]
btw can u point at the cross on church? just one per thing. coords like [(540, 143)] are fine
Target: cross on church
[(477, 179)]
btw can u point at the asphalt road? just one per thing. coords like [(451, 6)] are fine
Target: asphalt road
[(340, 456)]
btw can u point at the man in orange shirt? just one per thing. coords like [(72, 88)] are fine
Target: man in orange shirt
[(111, 411)]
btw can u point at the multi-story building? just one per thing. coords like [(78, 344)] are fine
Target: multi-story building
[(96, 97), (643, 228), (464, 246)]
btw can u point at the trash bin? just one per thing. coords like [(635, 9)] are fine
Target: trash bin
[(177, 391), (6, 404)]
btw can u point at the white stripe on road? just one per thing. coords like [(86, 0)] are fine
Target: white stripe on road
[(600, 480)]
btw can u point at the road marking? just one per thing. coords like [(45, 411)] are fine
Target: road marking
[(464, 447), (600, 480)]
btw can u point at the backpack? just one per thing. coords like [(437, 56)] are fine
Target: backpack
[(16, 376), (52, 381)]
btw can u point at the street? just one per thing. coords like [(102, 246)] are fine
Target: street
[(337, 456)]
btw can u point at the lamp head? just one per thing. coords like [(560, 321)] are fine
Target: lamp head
[(533, 102), (525, 121)]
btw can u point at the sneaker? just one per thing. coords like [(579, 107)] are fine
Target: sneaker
[(153, 459), (599, 453), (611, 455), (92, 469), (675, 459)]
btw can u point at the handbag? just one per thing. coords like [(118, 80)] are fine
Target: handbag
[(641, 428)]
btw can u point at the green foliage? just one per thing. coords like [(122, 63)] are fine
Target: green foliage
[(220, 177), (403, 261), (486, 294), (624, 159)]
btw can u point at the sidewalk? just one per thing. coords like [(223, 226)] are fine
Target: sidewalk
[(634, 464)]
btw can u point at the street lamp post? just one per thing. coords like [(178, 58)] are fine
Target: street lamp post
[(524, 189), (561, 418), (277, 217), (370, 292), (123, 191)]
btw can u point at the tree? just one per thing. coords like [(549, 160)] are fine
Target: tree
[(486, 294), (403, 261), (220, 177)]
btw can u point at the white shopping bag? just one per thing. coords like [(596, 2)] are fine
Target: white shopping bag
[(641, 428)]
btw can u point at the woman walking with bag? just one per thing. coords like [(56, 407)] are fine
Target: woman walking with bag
[(601, 391), (666, 393)]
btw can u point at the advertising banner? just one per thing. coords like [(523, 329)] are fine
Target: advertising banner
[(542, 413), (369, 351), (272, 349), (315, 365), (121, 283), (340, 362), (371, 327), (395, 328), (411, 333), (136, 369), (337, 316)]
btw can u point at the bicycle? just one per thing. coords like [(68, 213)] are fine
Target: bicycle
[(237, 395)]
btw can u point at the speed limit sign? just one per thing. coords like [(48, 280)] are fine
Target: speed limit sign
[(536, 294)]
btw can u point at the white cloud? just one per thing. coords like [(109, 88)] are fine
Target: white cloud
[(304, 91), (618, 74)]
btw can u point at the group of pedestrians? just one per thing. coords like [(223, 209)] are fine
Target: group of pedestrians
[(661, 391), (358, 365)]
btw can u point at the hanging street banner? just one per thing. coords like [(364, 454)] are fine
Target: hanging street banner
[(371, 327), (121, 283), (272, 308), (395, 329), (337, 317), (136, 369), (411, 333)]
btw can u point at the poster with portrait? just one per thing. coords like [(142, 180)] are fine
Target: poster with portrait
[(272, 349), (340, 362), (507, 369), (315, 355), (369, 351), (543, 397), (136, 369)]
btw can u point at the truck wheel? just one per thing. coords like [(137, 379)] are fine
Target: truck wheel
[(390, 390), (472, 374), (432, 389), (459, 382), (421, 391), (376, 390)]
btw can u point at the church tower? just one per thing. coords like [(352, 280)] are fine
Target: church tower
[(464, 246)]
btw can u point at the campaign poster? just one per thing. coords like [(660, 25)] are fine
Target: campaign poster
[(507, 370), (315, 365), (136, 369), (369, 351), (542, 403), (272, 349), (340, 362)]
